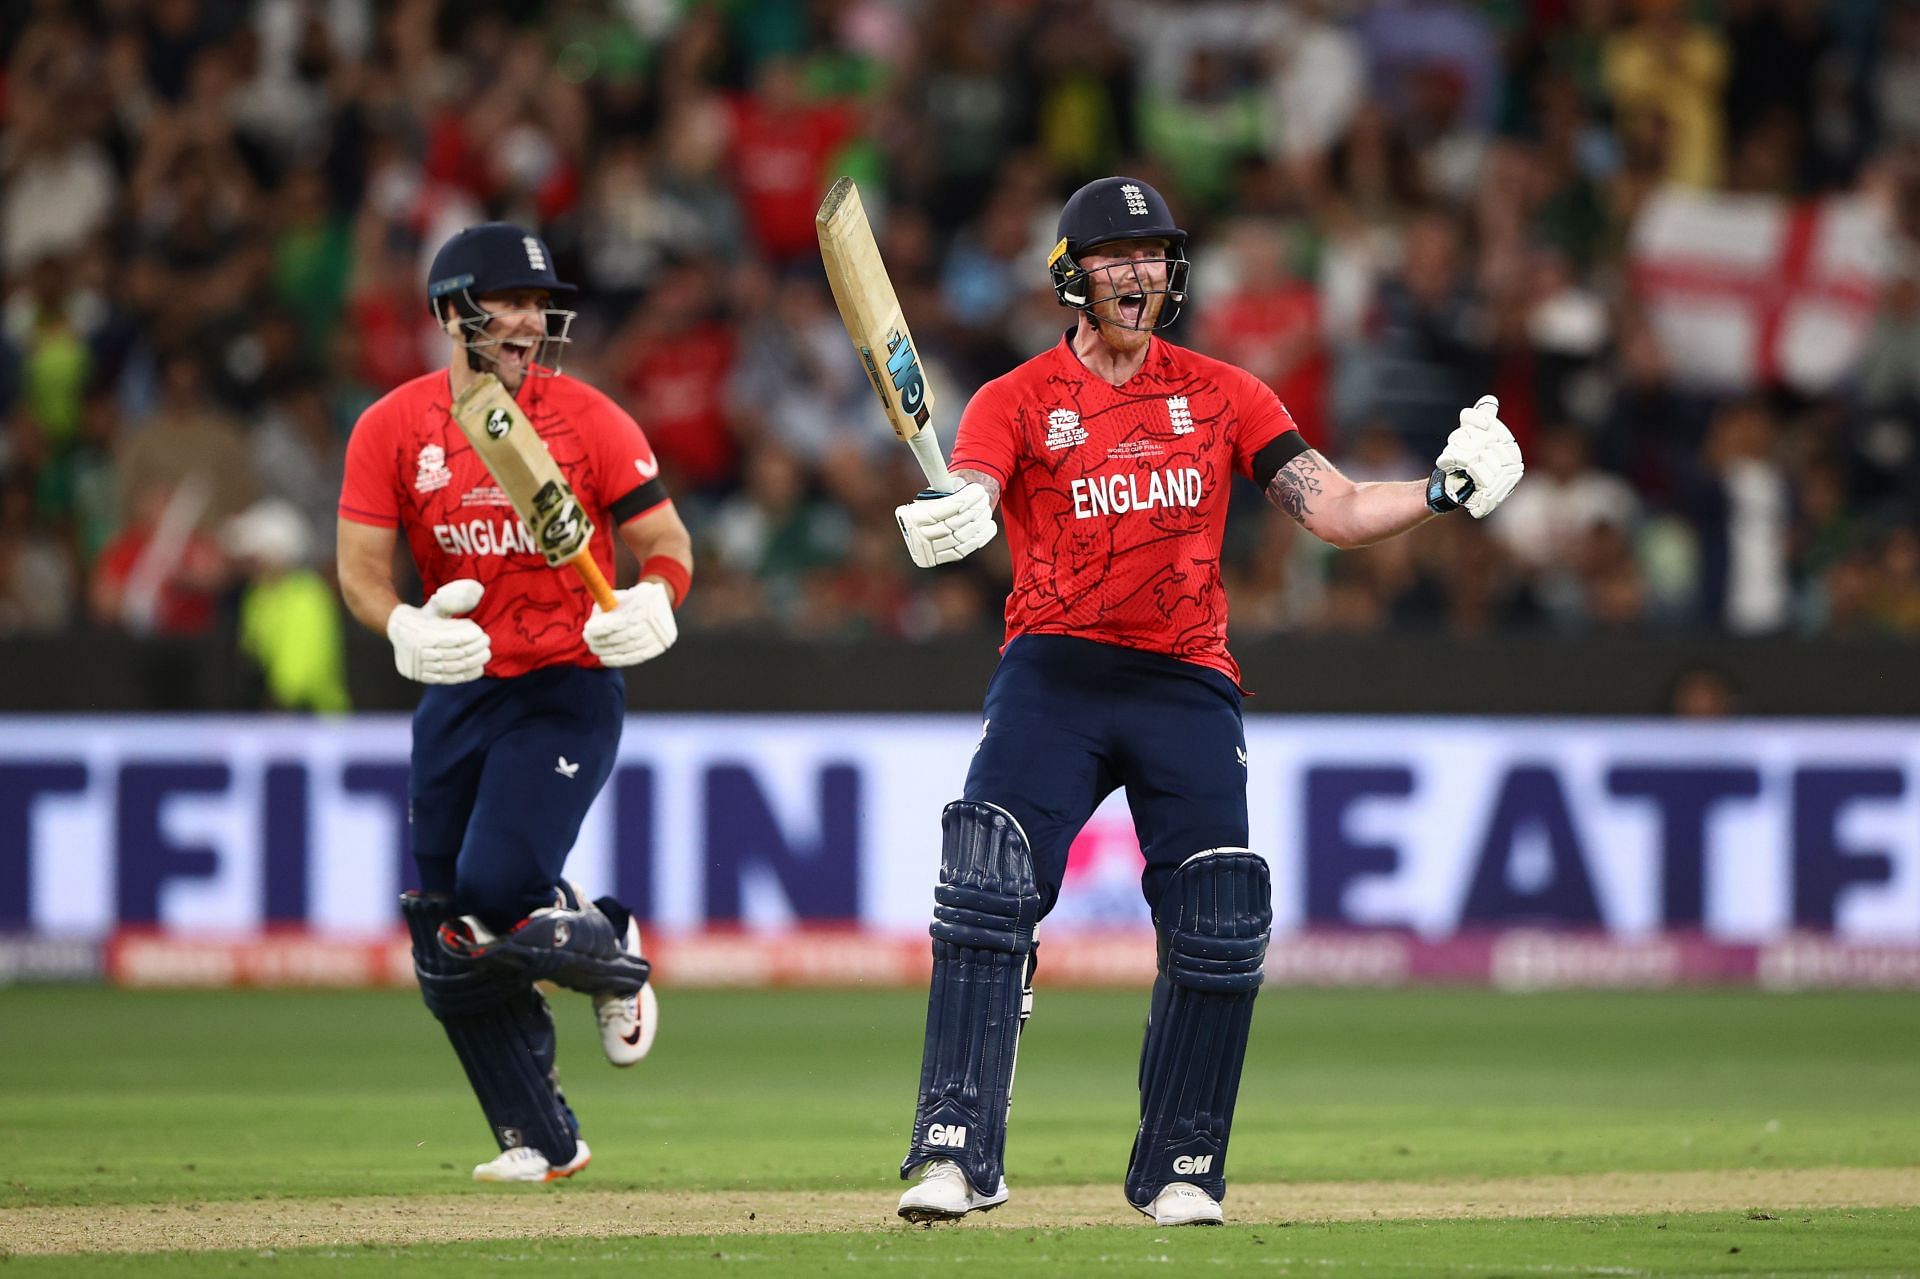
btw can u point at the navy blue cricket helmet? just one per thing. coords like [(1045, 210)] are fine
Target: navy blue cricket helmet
[(494, 257), (1106, 211)]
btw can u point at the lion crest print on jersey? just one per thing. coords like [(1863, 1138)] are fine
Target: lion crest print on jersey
[(460, 524), (1115, 498)]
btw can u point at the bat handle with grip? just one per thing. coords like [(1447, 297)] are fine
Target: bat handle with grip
[(926, 451), (596, 581)]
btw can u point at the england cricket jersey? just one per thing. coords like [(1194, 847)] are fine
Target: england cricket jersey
[(409, 467), (1114, 498)]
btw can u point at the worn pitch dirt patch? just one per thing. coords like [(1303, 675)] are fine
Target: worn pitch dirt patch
[(576, 1212)]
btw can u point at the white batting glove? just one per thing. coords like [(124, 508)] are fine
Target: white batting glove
[(1480, 464), (940, 530), (641, 628), (435, 644)]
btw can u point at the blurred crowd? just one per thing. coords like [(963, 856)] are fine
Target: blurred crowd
[(215, 217)]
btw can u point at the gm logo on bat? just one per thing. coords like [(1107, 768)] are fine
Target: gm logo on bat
[(908, 383), (499, 422), (558, 524)]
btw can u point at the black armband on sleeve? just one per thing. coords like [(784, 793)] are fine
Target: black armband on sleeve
[(644, 498), (1280, 450)]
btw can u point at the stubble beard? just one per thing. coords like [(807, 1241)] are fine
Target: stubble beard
[(1117, 333)]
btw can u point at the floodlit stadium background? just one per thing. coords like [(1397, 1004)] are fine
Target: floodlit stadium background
[(1653, 723)]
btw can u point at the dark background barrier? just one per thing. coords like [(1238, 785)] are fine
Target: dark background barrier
[(1390, 674)]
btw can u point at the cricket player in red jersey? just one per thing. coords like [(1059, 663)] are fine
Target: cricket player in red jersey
[(517, 728), (1109, 459)]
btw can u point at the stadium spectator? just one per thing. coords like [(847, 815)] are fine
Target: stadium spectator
[(58, 180), (47, 325), (792, 385), (1896, 78), (1079, 69), (1568, 498), (782, 142), (1398, 198), (1428, 341), (289, 624), (189, 445), (1266, 319), (776, 533), (1702, 691), (676, 354), (1741, 506), (1666, 75), (299, 457), (1316, 73), (160, 575), (36, 570)]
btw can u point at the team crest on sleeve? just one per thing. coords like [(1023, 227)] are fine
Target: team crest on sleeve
[(1179, 415), (1064, 430), (433, 473)]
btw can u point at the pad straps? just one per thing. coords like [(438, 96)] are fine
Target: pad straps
[(986, 908), (571, 943), (1213, 922), (502, 1032)]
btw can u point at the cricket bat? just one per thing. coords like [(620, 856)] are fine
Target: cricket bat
[(518, 460), (871, 312)]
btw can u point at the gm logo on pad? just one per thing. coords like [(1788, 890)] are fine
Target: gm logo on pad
[(499, 422), (952, 1136)]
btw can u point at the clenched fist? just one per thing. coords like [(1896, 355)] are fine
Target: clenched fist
[(1480, 464), (949, 527), (641, 628), (435, 644)]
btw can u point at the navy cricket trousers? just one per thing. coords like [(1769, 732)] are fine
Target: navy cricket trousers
[(1069, 720), (503, 773)]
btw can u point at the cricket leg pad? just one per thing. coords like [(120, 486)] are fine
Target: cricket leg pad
[(986, 909), (1213, 923), (500, 1030), (572, 943)]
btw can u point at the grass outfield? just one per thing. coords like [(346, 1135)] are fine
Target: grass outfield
[(330, 1109)]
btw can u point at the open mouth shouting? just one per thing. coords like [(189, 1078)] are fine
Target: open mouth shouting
[(515, 356), (1132, 309)]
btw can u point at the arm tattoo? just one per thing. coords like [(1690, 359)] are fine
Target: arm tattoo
[(985, 481), (1296, 483)]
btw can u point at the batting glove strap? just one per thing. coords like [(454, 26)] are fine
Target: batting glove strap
[(1481, 462), (435, 644), (941, 528), (1437, 499), (641, 628)]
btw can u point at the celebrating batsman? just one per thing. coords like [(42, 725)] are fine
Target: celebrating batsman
[(1109, 459), (517, 728)]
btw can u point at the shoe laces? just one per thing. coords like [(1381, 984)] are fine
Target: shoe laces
[(613, 1009)]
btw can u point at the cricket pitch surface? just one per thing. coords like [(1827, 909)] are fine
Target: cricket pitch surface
[(574, 1211)]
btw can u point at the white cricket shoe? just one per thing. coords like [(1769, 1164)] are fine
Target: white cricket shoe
[(1181, 1203), (524, 1163), (628, 1022), (945, 1194)]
